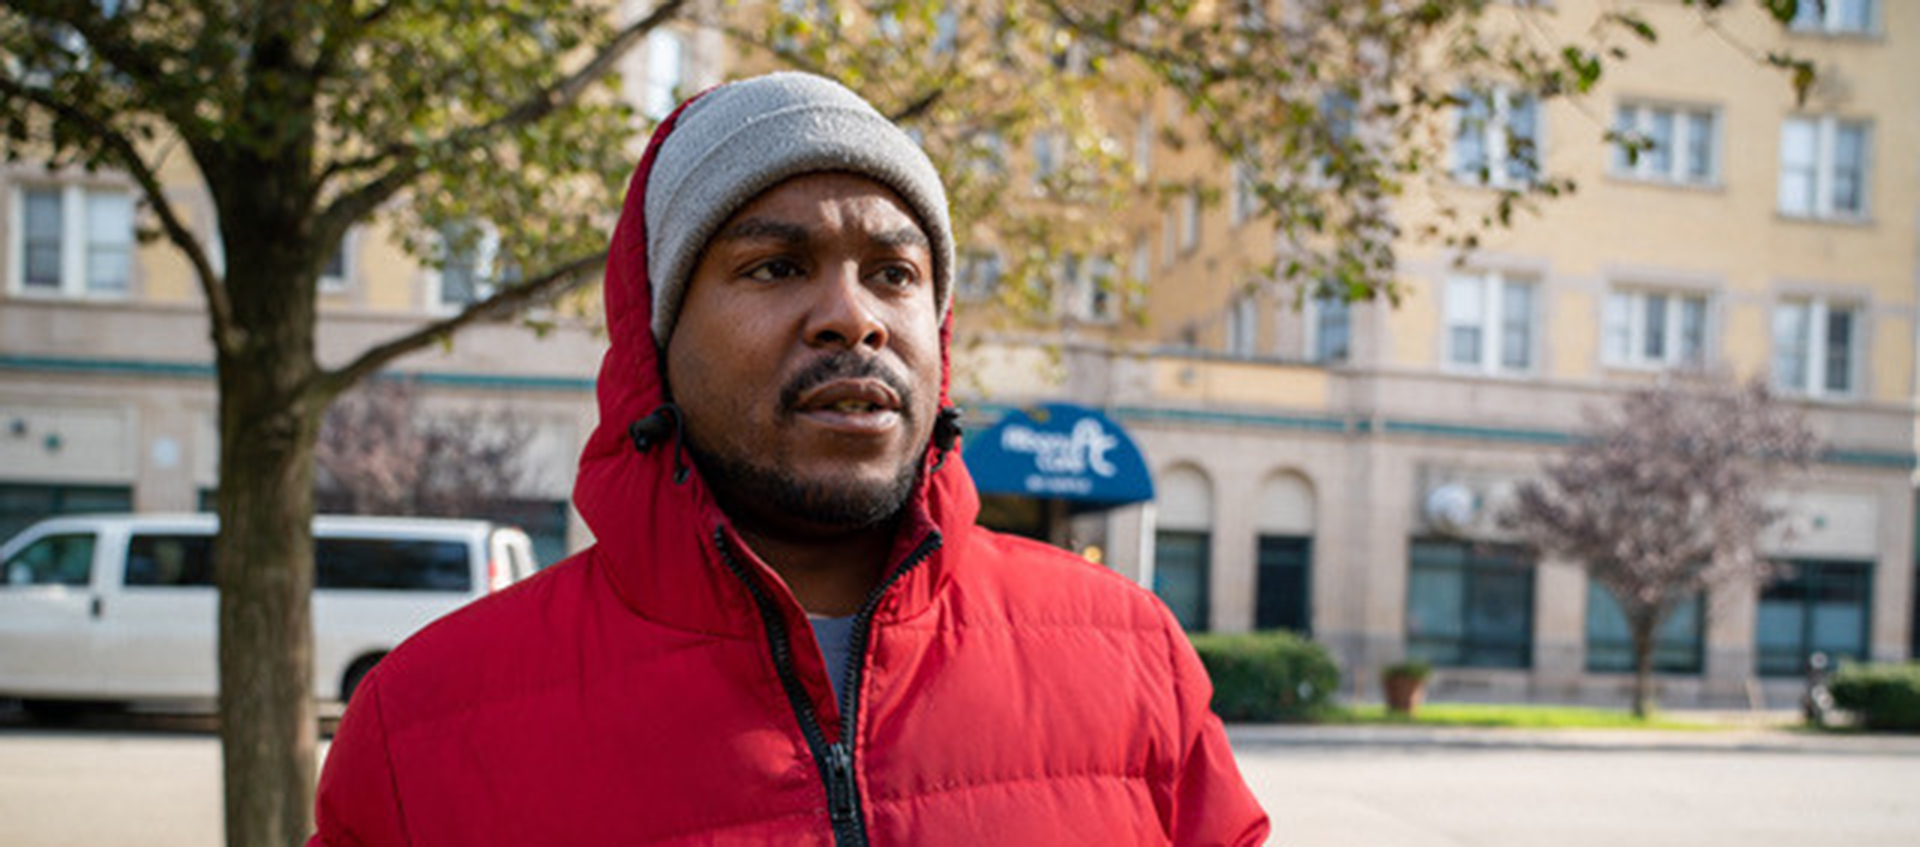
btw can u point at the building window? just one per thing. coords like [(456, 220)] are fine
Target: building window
[(1823, 168), (1497, 138), (1469, 605), (1246, 192), (1338, 114), (338, 271), (1677, 644), (1329, 328), (666, 73), (470, 251), (1243, 327), (979, 276), (1142, 268), (72, 242), (1490, 323), (1816, 347), (22, 504), (1180, 578), (1681, 145), (1821, 606), (1049, 149), (1654, 329), (1835, 17), (1143, 141), (1284, 596), (1190, 221)]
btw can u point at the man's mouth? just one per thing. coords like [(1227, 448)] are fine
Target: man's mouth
[(853, 405)]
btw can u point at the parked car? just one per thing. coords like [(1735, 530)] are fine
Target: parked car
[(118, 608)]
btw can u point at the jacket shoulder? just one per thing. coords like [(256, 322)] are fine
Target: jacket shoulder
[(1034, 580)]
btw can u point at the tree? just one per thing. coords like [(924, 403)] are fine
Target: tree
[(443, 117), (1666, 499), (379, 455)]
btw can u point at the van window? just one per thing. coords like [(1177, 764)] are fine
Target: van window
[(392, 564), (65, 559), (170, 560)]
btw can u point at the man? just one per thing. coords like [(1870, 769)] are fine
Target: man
[(789, 630)]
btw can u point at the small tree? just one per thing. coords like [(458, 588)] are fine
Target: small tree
[(1666, 498), (379, 455)]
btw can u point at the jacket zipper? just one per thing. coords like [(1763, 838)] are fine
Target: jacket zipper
[(835, 760)]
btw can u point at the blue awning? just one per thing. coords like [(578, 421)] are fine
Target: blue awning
[(1061, 451)]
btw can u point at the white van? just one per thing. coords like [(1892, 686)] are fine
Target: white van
[(123, 608)]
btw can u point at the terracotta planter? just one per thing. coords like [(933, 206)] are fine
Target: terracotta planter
[(1404, 692)]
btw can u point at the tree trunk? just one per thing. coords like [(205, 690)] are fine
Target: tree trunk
[(267, 720), (1643, 627), (269, 422)]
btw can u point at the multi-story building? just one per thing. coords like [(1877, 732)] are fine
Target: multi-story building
[(1338, 468), (1325, 467)]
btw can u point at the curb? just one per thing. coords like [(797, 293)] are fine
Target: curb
[(1254, 737)]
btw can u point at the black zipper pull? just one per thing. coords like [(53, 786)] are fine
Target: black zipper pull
[(841, 789)]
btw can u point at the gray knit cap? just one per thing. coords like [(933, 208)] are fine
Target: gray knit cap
[(743, 138)]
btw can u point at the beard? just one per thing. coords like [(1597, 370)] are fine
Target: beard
[(755, 485), (745, 487)]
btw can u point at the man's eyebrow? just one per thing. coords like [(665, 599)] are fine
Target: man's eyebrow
[(906, 236), (764, 229)]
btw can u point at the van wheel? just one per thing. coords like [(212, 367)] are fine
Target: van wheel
[(355, 673)]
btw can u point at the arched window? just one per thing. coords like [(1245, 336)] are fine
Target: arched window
[(1284, 556), (1183, 546)]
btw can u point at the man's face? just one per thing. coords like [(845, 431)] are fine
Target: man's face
[(806, 356)]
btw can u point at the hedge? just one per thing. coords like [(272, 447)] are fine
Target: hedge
[(1268, 676), (1885, 697)]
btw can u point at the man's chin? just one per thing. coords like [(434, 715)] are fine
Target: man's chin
[(831, 500)]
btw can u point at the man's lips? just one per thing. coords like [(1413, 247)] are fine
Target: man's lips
[(849, 397), (851, 405)]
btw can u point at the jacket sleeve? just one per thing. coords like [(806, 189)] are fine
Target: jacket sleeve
[(1212, 806), (359, 803)]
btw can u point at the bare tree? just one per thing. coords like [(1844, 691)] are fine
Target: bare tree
[(380, 454), (1666, 498)]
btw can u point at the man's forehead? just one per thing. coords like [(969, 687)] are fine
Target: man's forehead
[(793, 209)]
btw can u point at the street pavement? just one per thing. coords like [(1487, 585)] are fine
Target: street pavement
[(1324, 786)]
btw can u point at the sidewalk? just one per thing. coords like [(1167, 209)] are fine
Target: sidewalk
[(1245, 737)]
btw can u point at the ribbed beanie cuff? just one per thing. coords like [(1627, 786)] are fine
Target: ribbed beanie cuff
[(741, 139)]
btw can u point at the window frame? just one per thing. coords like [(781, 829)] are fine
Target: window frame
[(1492, 306), (1495, 138), (1318, 308), (75, 242), (1827, 19), (1824, 176), (1681, 143), (1674, 653), (1674, 336), (1815, 361), (1471, 560)]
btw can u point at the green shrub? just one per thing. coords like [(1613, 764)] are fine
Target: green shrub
[(1884, 696), (1412, 668), (1268, 676)]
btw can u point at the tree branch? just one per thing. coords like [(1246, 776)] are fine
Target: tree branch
[(120, 150), (528, 111), (504, 304)]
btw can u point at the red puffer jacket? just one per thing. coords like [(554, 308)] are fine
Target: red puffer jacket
[(663, 686)]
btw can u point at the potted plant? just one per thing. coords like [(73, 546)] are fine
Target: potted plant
[(1406, 685)]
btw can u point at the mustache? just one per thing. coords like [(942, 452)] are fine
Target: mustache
[(844, 364)]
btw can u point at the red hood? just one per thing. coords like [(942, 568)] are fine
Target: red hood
[(654, 534)]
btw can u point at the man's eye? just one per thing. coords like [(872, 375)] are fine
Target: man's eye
[(897, 276), (775, 270)]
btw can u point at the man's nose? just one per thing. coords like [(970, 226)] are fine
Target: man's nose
[(845, 313)]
